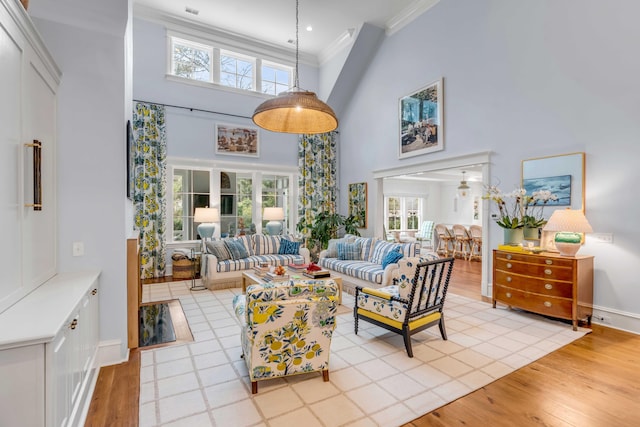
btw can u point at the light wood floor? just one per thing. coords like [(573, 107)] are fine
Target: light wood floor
[(594, 381)]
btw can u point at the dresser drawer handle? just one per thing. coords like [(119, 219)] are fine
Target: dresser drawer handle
[(509, 279), (548, 286), (509, 256), (548, 271), (548, 261), (508, 294), (509, 265), (547, 304)]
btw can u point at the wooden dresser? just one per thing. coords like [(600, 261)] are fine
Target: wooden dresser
[(545, 283)]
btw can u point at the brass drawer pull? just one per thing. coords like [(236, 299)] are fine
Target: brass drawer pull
[(548, 286), (508, 294), (73, 324), (548, 271), (509, 265), (509, 256), (37, 175), (547, 304), (548, 261), (93, 292), (509, 279)]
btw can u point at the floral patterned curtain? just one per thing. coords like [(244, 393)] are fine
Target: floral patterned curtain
[(149, 191), (318, 182)]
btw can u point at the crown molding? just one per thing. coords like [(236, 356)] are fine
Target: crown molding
[(347, 38), (223, 38), (408, 14)]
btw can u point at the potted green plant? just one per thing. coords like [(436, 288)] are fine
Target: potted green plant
[(325, 226)]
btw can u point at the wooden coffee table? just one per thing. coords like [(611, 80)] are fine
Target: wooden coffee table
[(249, 277)]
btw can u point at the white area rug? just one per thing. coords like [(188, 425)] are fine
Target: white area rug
[(372, 381)]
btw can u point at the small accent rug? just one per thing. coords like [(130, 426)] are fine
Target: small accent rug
[(372, 382)]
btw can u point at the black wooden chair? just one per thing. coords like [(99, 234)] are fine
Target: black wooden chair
[(413, 303)]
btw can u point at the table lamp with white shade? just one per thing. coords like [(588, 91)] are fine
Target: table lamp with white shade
[(206, 217), (275, 216), (569, 224)]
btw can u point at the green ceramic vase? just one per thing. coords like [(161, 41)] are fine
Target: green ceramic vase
[(513, 236)]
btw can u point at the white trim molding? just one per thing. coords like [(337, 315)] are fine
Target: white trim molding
[(616, 319), (408, 14)]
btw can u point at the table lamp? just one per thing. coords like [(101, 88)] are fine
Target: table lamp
[(275, 216), (206, 217), (569, 224)]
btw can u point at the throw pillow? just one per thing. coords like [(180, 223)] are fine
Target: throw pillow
[(391, 258), (219, 249), (349, 251), (287, 247), (236, 248), (381, 249)]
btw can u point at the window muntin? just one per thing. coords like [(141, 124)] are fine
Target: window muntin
[(403, 213), (275, 78), (190, 191), (236, 71), (191, 60)]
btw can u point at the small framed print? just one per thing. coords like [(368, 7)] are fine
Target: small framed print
[(237, 140)]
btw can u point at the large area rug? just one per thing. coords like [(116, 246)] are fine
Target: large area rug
[(372, 381)]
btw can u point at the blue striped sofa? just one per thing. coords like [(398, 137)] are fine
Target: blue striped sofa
[(227, 273), (367, 270)]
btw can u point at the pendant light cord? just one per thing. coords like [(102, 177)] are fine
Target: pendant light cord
[(297, 82)]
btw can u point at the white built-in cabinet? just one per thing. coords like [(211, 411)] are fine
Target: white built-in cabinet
[(28, 82), (49, 322), (48, 348)]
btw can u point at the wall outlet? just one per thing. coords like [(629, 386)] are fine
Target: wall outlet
[(78, 248), (600, 237)]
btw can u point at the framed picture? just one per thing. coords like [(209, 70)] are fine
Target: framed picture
[(358, 203), (558, 185), (131, 157), (237, 140), (421, 121)]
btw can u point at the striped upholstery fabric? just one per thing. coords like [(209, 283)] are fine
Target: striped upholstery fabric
[(254, 261), (409, 249), (247, 241), (264, 245), (360, 269), (380, 250), (367, 247)]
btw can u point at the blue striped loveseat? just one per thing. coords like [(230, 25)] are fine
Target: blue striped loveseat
[(222, 267), (369, 264)]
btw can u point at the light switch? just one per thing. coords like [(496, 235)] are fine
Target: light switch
[(78, 248)]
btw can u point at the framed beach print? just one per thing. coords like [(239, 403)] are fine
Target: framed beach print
[(358, 203), (237, 140), (421, 121)]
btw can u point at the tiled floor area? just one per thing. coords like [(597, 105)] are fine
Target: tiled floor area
[(372, 381)]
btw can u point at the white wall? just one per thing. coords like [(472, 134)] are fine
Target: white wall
[(522, 79), (91, 164)]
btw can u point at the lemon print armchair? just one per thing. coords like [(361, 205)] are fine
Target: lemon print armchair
[(413, 303), (287, 328)]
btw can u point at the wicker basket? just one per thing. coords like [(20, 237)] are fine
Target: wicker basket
[(183, 269)]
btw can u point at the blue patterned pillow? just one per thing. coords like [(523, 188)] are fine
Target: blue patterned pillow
[(236, 249), (392, 257), (219, 249), (349, 251), (287, 247)]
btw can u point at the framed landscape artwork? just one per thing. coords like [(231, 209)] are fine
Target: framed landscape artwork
[(237, 140), (421, 121), (558, 185), (358, 203)]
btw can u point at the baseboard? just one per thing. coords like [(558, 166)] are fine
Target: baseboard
[(109, 353), (617, 319)]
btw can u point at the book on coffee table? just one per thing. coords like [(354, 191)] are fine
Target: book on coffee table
[(319, 274)]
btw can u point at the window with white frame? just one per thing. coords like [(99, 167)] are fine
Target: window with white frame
[(239, 198), (191, 60), (402, 213), (237, 70), (197, 60), (275, 78)]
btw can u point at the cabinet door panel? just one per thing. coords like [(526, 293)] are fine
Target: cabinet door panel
[(10, 149), (39, 230)]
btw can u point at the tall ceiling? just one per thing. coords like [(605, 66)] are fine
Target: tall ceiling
[(274, 21)]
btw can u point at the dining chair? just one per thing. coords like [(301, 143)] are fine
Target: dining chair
[(461, 241), (445, 240), (476, 242)]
